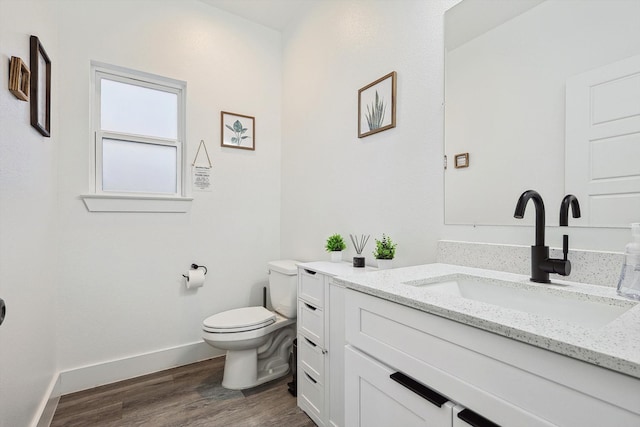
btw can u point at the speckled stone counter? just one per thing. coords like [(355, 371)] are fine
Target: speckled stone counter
[(614, 345), (592, 267)]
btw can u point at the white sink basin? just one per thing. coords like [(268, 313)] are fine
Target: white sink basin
[(586, 310)]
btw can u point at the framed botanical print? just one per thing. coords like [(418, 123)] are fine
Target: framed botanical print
[(377, 106), (237, 131)]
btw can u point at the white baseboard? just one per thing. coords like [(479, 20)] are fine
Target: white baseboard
[(47, 408), (117, 370)]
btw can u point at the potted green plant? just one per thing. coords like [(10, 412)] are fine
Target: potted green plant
[(385, 252), (335, 245)]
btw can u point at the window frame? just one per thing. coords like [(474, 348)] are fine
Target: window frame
[(116, 201)]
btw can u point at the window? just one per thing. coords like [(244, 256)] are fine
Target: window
[(139, 133)]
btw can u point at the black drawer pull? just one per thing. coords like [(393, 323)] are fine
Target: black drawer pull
[(310, 307), (475, 420), (311, 379), (310, 342), (419, 389), (311, 272)]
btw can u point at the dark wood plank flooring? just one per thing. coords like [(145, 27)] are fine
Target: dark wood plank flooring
[(190, 395)]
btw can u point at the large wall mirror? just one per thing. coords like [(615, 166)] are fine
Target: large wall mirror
[(543, 95)]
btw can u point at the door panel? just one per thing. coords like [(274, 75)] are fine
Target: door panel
[(602, 158)]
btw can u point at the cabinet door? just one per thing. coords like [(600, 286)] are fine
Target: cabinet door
[(311, 358), (311, 322), (311, 287), (311, 396), (373, 399)]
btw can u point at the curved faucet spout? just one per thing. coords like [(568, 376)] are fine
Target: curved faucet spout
[(569, 200), (539, 205)]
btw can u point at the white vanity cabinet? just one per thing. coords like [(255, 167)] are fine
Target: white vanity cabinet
[(506, 382), (321, 341)]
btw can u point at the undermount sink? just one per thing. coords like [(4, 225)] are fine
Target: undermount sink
[(586, 310)]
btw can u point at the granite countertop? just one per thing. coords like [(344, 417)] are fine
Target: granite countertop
[(614, 344)]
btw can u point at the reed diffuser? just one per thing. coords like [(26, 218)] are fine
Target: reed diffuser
[(359, 243)]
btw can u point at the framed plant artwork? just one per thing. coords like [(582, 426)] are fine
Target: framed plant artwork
[(377, 106), (237, 131), (40, 87)]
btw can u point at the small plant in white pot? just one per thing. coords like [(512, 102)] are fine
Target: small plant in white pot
[(385, 252), (335, 245)]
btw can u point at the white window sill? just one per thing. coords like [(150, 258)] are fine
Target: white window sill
[(112, 203)]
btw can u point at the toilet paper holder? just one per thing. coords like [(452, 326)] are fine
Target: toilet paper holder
[(195, 267)]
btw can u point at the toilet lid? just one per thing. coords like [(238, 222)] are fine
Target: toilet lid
[(239, 319)]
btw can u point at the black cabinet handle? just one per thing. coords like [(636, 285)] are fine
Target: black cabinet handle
[(310, 307), (311, 379), (310, 342), (475, 420), (311, 272), (419, 389)]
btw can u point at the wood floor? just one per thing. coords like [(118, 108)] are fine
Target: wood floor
[(190, 395)]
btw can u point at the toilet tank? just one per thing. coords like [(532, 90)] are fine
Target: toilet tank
[(283, 287)]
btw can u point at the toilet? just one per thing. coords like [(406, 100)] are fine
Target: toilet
[(258, 341)]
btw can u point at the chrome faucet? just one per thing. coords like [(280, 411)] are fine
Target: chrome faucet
[(541, 264)]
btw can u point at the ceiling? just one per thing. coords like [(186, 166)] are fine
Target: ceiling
[(275, 14)]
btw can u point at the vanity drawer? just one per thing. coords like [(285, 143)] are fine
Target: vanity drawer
[(311, 287), (311, 322), (311, 358), (310, 395), (375, 399)]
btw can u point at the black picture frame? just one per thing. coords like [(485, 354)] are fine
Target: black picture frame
[(40, 97)]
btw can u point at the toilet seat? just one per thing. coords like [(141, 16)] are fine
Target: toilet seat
[(239, 320)]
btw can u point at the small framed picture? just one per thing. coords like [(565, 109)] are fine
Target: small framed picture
[(237, 131), (19, 79), (461, 160), (377, 106), (40, 87)]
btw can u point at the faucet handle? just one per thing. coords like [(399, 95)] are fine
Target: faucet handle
[(565, 246)]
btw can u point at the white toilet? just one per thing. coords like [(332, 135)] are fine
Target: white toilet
[(258, 341)]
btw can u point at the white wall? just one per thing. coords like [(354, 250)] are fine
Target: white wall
[(28, 225), (391, 182), (121, 290)]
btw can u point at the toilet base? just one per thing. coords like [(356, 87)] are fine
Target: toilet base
[(243, 378), (248, 368)]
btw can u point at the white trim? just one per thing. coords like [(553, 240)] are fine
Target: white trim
[(136, 203), (133, 203), (86, 377), (137, 75), (47, 408)]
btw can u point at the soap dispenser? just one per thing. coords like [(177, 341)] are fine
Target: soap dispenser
[(629, 284)]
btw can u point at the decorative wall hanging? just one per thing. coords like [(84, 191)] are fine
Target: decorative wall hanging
[(377, 106), (201, 175), (40, 88), (19, 78), (237, 131)]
